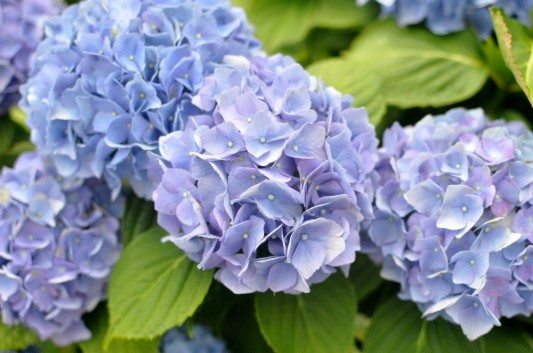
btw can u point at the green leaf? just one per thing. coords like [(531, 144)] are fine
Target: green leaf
[(353, 77), (15, 337), (397, 327), (516, 45), (7, 136), (153, 288), (504, 339), (19, 117), (139, 216), (98, 324), (365, 276), (341, 14), (419, 69), (281, 23), (241, 319), (321, 321)]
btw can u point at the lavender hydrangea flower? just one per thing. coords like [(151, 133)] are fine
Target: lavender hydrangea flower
[(58, 243), (454, 217), (111, 77), (199, 340), (270, 183), (22, 23), (449, 16)]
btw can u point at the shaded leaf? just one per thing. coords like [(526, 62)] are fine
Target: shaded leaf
[(97, 322)]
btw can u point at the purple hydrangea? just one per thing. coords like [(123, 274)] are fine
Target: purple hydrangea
[(454, 217), (112, 77), (449, 16), (270, 184), (58, 243), (198, 340), (22, 24)]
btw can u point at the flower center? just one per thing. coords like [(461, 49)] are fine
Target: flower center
[(271, 197)]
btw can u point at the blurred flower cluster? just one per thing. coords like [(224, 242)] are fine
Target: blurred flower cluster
[(58, 243), (270, 184), (22, 29), (454, 217), (112, 77), (199, 340), (449, 16)]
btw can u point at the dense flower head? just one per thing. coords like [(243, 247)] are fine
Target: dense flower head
[(271, 183), (454, 217), (22, 24), (198, 340), (58, 243), (449, 16), (112, 76)]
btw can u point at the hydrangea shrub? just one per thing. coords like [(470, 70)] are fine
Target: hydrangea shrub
[(270, 184), (454, 217), (58, 243), (22, 23), (198, 340), (111, 77), (449, 16)]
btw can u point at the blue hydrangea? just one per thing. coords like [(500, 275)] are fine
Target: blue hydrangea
[(58, 243), (112, 76), (270, 183), (199, 340), (454, 217), (22, 23), (449, 16)]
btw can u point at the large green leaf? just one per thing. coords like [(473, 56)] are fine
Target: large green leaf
[(15, 337), (516, 45), (419, 69), (397, 327), (139, 216), (98, 324), (241, 319), (365, 276), (153, 288), (353, 77), (281, 23), (318, 322)]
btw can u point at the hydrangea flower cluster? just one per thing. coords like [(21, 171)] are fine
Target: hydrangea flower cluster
[(112, 76), (22, 23), (271, 183), (454, 217), (200, 340), (449, 16), (58, 243)]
